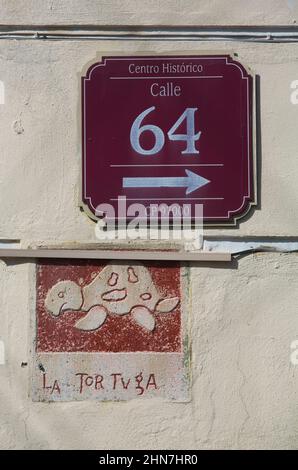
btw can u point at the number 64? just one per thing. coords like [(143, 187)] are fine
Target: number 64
[(190, 137)]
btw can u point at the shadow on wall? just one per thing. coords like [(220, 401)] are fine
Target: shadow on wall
[(257, 139)]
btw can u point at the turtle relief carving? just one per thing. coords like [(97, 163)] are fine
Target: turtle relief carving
[(117, 290)]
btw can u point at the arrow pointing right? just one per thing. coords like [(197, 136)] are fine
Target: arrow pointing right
[(191, 182)]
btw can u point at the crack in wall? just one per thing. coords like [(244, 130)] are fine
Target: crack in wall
[(241, 396)]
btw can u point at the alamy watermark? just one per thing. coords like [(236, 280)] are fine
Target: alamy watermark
[(2, 353), (2, 93), (294, 94), (155, 221), (294, 353)]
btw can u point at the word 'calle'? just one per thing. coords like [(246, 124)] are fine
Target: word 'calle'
[(169, 89)]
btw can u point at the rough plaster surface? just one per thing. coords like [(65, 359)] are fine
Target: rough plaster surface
[(41, 153), (244, 391), (149, 12)]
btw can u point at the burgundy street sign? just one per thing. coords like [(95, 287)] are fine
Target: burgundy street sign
[(169, 129)]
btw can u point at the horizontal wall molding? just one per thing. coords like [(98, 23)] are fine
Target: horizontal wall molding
[(146, 33), (116, 255)]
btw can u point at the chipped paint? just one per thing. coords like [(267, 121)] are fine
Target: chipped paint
[(234, 246)]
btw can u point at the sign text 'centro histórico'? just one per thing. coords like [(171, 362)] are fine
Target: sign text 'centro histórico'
[(169, 129)]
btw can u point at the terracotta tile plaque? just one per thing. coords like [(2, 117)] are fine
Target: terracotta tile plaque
[(110, 331)]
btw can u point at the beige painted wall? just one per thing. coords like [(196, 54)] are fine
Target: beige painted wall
[(244, 316), (149, 12), (244, 392), (41, 142)]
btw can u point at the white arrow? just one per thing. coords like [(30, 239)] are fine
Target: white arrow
[(191, 182)]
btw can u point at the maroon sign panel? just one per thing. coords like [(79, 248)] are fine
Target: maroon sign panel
[(169, 130)]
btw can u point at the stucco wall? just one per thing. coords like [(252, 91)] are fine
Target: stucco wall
[(244, 392), (41, 135), (243, 315), (148, 12)]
